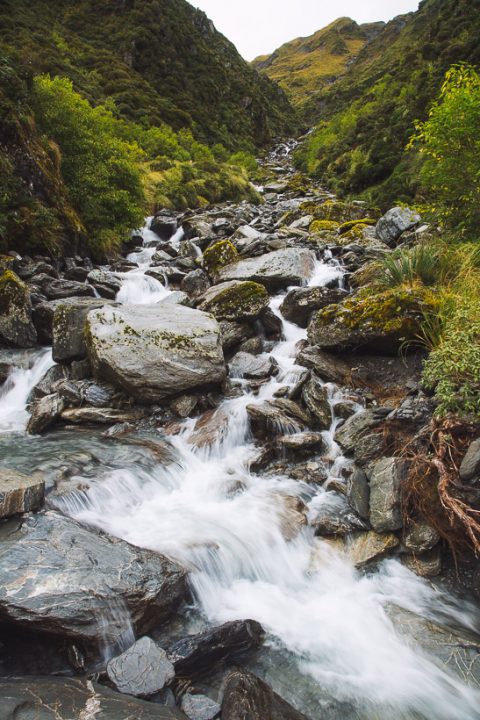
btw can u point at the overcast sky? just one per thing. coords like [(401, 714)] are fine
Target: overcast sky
[(258, 27)]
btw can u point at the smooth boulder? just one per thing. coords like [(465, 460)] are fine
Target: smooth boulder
[(154, 352), (275, 270), (59, 577)]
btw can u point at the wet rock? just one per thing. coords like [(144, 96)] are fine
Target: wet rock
[(246, 696), (386, 479), (420, 537), (20, 493), (200, 707), (235, 300), (427, 564), (335, 517), (153, 352), (395, 222), (301, 303), (277, 417), (164, 226), (365, 547), (328, 367), (305, 442), (27, 272), (43, 320), (16, 326), (227, 643), (99, 578), (358, 493), (315, 397), (252, 367), (195, 283), (417, 410), (100, 396), (184, 405), (470, 467), (275, 270), (61, 289), (74, 698), (100, 416), (353, 431), (44, 413), (142, 670), (48, 384), (271, 324), (210, 428), (177, 297), (101, 278), (68, 327)]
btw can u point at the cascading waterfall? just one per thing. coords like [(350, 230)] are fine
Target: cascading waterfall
[(16, 390), (232, 529)]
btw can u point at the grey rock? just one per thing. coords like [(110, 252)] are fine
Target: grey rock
[(44, 413), (328, 367), (184, 405), (234, 333), (68, 327), (252, 367), (16, 325), (358, 493), (315, 397), (20, 493), (95, 574), (101, 277), (200, 707), (414, 409), (420, 537), (230, 642), (49, 382), (470, 467), (234, 300), (275, 417), (153, 352), (177, 297), (164, 226), (195, 283), (61, 289), (363, 548), (386, 478), (427, 564), (43, 320), (301, 303), (305, 442), (336, 518), (101, 416), (354, 430), (74, 699), (395, 222), (246, 696), (142, 670), (275, 270)]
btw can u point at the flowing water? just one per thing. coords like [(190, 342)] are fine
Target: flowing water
[(232, 530)]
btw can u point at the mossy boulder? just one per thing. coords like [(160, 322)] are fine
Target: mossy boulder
[(16, 326), (381, 322), (68, 327), (218, 256), (235, 300), (320, 225), (352, 224), (343, 212), (275, 270)]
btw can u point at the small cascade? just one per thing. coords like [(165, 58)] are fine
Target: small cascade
[(16, 390)]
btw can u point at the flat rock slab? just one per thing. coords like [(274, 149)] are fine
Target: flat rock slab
[(275, 270), (20, 493), (142, 670), (60, 699), (154, 352), (61, 578)]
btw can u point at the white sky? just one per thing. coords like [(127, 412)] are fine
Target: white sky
[(258, 27)]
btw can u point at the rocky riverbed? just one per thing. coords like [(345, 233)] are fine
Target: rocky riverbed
[(202, 477)]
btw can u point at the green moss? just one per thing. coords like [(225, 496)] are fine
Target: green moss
[(340, 212), (13, 293), (319, 225), (218, 255), (351, 224), (242, 300)]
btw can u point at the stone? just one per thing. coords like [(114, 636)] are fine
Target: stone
[(210, 428), (154, 352), (420, 537), (252, 367), (427, 564), (102, 277), (358, 493), (195, 283), (164, 226), (226, 643), (335, 517), (219, 255), (234, 333), (184, 405), (363, 548), (199, 707), (470, 466), (234, 300), (329, 368), (61, 289), (395, 222), (386, 478), (99, 579), (52, 698), (20, 493), (142, 670), (305, 442), (16, 325), (354, 430), (275, 270), (102, 416), (246, 696), (315, 397), (43, 320), (300, 303), (44, 413), (68, 327), (275, 417)]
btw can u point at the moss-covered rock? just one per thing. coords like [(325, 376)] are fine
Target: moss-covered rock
[(343, 212), (352, 224), (16, 326), (381, 321), (219, 255), (235, 300), (319, 225)]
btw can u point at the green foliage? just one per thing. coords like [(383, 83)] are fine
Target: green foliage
[(450, 141), (420, 264)]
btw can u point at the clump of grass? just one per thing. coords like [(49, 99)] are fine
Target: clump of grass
[(420, 264)]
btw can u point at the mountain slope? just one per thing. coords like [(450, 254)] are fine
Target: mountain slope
[(158, 60), (366, 117), (305, 65)]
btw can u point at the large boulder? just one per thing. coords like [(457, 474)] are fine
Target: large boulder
[(234, 300), (395, 222), (153, 352), (275, 270), (74, 699), (300, 303), (20, 493), (246, 696), (64, 579), (68, 327), (386, 479), (16, 326)]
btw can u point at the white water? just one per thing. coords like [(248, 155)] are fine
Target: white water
[(15, 391), (229, 527)]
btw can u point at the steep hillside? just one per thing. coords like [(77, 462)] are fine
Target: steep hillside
[(304, 66), (157, 60), (366, 117)]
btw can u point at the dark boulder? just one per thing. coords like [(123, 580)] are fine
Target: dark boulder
[(245, 696), (301, 303)]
